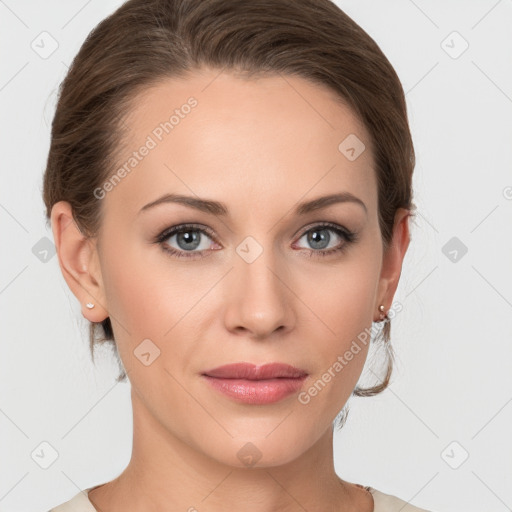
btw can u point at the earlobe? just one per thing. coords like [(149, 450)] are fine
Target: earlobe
[(78, 261), (393, 259)]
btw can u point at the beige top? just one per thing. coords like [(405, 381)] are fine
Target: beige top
[(382, 503)]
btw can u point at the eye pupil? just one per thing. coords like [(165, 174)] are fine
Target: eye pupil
[(316, 240), (188, 237)]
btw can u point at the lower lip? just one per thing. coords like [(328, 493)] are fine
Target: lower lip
[(256, 392)]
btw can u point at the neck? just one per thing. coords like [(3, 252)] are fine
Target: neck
[(168, 473)]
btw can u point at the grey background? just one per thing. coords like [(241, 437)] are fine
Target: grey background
[(440, 435)]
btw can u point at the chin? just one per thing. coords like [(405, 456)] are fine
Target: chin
[(253, 451)]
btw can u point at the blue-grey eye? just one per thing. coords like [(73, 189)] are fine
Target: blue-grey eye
[(319, 238), (189, 239)]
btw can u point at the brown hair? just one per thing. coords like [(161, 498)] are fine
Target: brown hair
[(146, 41)]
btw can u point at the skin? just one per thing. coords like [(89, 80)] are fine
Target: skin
[(261, 146)]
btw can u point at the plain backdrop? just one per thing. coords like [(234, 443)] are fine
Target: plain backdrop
[(440, 435)]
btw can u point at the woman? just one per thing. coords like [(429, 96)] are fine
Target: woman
[(229, 189)]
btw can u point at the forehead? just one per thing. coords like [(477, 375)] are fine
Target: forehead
[(219, 135)]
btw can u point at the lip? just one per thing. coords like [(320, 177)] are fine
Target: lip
[(250, 371), (257, 385)]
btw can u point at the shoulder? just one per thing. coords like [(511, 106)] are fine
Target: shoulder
[(79, 503), (387, 503)]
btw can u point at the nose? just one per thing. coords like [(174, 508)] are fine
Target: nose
[(260, 300)]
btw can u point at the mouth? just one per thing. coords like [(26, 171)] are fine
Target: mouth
[(256, 385)]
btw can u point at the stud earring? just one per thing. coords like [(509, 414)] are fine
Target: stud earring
[(382, 314), (89, 305)]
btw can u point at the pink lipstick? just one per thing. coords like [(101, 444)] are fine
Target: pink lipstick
[(257, 385)]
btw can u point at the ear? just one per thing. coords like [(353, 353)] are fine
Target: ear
[(79, 262), (393, 259)]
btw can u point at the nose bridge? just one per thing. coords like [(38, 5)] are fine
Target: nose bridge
[(260, 301)]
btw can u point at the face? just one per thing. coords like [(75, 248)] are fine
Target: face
[(259, 278)]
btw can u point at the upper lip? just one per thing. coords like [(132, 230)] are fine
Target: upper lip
[(250, 371)]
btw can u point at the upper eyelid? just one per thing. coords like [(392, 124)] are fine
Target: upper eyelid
[(322, 224), (171, 231)]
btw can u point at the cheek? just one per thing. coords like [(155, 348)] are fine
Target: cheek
[(341, 298), (148, 294), (137, 294), (339, 318)]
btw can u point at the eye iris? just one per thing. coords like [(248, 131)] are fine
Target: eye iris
[(314, 239), (188, 237)]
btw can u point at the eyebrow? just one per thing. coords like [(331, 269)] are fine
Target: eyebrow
[(221, 210)]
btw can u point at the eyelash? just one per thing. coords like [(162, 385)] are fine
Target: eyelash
[(349, 237)]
